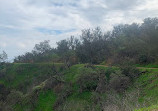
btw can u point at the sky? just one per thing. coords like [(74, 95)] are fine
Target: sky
[(24, 23)]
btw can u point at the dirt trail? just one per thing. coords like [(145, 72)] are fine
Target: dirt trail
[(137, 67), (146, 68)]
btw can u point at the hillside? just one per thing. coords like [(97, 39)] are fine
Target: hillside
[(53, 87)]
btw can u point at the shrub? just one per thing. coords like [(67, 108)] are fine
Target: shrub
[(24, 85), (67, 91), (62, 68), (5, 107), (145, 59), (2, 73), (53, 82), (119, 82), (129, 101), (108, 72), (3, 92), (14, 97), (2, 70), (20, 69), (89, 66), (97, 101), (87, 82), (102, 84), (130, 71)]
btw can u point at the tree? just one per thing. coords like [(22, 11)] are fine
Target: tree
[(3, 56), (62, 47), (93, 47), (42, 47), (136, 43), (66, 50)]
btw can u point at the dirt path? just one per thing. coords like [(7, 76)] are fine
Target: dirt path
[(137, 67), (146, 68)]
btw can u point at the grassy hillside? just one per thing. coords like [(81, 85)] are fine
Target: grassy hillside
[(23, 76), (39, 88), (149, 86)]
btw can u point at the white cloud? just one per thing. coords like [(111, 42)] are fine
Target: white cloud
[(23, 23), (3, 44)]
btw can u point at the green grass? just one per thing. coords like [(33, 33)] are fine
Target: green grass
[(72, 73), (81, 96), (46, 100), (149, 84)]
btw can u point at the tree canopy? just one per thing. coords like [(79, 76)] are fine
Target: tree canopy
[(134, 42)]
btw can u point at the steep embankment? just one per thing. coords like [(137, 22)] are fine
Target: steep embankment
[(148, 83), (47, 87), (19, 85)]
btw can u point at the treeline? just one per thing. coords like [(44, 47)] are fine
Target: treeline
[(136, 43)]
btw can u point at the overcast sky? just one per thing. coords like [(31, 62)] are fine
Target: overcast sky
[(23, 23)]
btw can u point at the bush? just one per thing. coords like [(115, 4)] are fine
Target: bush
[(119, 82), (89, 66), (145, 59), (20, 70), (14, 97), (130, 71), (129, 101), (2, 73), (98, 101), (65, 93), (87, 82), (102, 84), (5, 107), (62, 68), (51, 83), (108, 72), (3, 92), (2, 70)]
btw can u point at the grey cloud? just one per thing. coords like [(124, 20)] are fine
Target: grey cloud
[(122, 4), (94, 14), (56, 3)]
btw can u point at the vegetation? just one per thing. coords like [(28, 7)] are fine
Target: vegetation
[(69, 77), (81, 87), (136, 43)]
